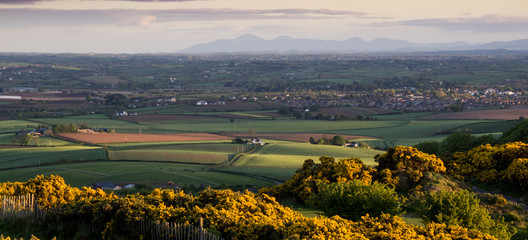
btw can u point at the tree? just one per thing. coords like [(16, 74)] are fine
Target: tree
[(116, 99), (338, 140), (431, 147), (26, 139), (65, 128)]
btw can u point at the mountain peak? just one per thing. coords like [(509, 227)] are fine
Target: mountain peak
[(251, 43), (283, 37), (248, 36)]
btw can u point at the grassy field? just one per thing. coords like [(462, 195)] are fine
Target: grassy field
[(193, 162), (292, 155), (85, 174), (181, 156), (34, 156), (416, 131), (103, 79), (281, 126), (191, 109), (279, 174), (8, 126), (199, 153), (403, 116), (7, 139)]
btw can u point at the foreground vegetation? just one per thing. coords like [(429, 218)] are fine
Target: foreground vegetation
[(357, 200), (237, 215)]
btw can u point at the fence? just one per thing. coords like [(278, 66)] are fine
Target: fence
[(25, 206), (20, 206), (175, 231)]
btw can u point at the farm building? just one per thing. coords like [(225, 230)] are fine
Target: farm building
[(201, 103), (256, 141), (106, 185)]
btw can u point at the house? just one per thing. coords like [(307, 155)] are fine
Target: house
[(256, 141), (121, 114), (109, 185), (352, 144), (86, 130), (171, 99), (37, 132), (201, 103)]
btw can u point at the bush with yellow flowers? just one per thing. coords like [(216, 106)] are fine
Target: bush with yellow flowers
[(232, 215), (493, 164), (50, 191), (8, 238), (407, 166), (303, 182)]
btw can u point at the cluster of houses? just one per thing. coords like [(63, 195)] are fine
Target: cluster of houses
[(409, 100), (36, 132), (204, 103), (255, 141), (123, 113), (356, 145)]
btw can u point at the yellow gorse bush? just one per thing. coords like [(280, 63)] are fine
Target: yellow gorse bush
[(407, 166), (233, 215), (492, 164)]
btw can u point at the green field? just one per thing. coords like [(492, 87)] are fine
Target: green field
[(7, 139), (293, 155), (85, 174), (34, 156), (181, 156), (199, 153), (159, 162), (11, 126), (280, 126)]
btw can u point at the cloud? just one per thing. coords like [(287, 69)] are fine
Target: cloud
[(24, 17), (141, 20), (22, 2), (240, 29), (37, 1), (488, 23), (159, 0)]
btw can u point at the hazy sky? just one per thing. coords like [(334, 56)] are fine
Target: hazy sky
[(131, 26)]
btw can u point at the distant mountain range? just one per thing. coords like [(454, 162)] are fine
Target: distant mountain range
[(252, 43)]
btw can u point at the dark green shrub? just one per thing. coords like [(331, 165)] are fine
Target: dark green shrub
[(354, 199), (460, 208)]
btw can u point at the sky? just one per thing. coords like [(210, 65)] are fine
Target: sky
[(150, 26)]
